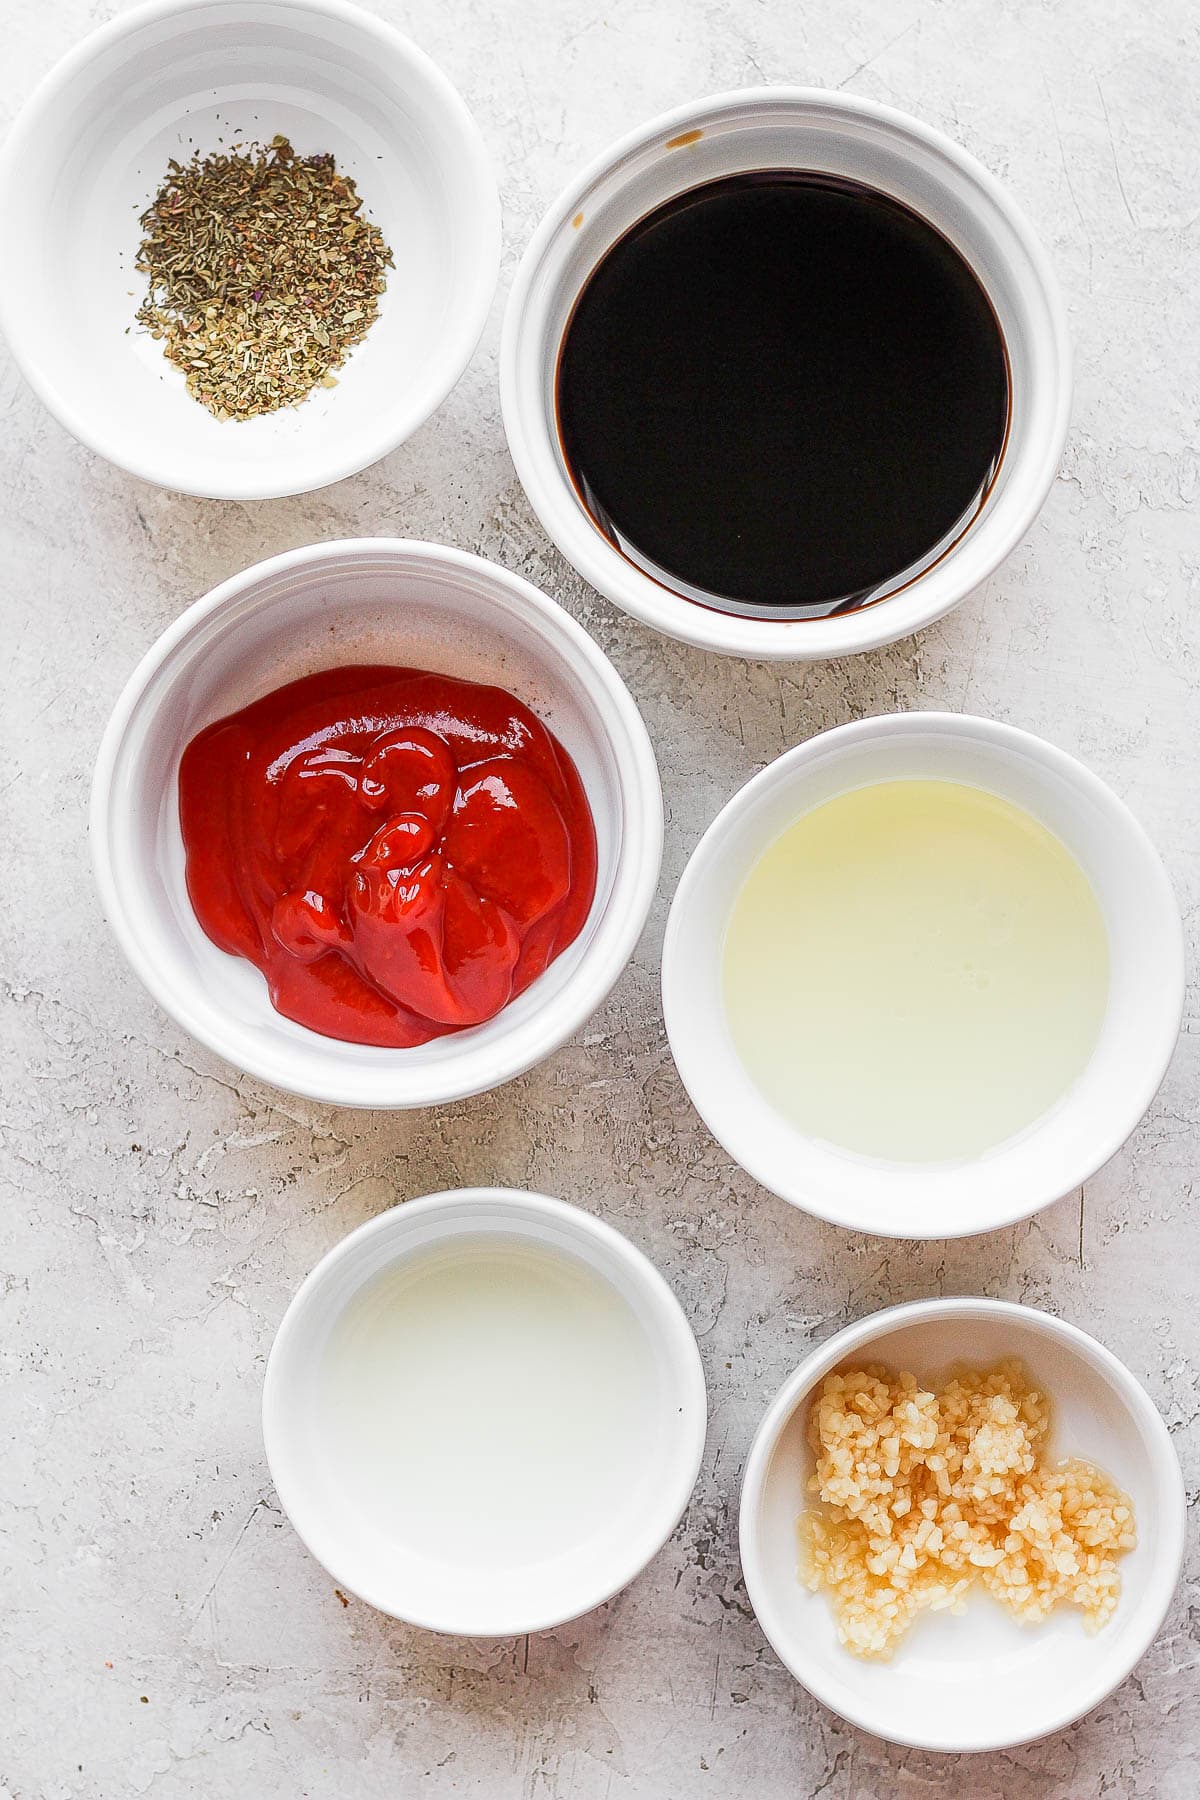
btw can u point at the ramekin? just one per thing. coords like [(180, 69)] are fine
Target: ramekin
[(1137, 1037), (981, 1680), (90, 150), (401, 1576), (381, 600), (793, 128)]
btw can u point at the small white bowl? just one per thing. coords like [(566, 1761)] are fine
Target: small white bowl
[(381, 600), (485, 1594), (979, 1681), (89, 152), (791, 128), (1137, 1037)]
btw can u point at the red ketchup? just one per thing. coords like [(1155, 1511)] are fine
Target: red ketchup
[(398, 852)]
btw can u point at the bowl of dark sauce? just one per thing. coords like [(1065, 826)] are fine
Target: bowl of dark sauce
[(785, 374)]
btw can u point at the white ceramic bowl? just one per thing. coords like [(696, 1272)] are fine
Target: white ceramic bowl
[(1137, 1037), (89, 152), (786, 127), (379, 600), (979, 1681), (486, 1595)]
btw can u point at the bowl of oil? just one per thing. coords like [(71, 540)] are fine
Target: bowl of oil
[(484, 1411), (923, 975)]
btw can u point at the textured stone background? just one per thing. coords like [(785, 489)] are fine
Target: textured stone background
[(163, 1633)]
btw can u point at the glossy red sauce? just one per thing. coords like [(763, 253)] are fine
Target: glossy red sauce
[(400, 853)]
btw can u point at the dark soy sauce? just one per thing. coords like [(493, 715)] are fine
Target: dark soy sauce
[(783, 394)]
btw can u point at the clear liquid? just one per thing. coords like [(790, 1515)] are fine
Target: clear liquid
[(490, 1401), (916, 970)]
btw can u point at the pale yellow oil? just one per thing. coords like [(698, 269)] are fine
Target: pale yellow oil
[(915, 970)]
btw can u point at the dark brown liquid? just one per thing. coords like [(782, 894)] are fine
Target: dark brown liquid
[(783, 393)]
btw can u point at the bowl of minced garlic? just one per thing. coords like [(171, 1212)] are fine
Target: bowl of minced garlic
[(962, 1523), (922, 1493)]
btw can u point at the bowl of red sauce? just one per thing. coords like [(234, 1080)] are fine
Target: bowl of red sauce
[(377, 822)]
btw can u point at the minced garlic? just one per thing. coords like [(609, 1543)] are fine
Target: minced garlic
[(922, 1494)]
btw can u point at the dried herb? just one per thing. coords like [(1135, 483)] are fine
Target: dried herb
[(263, 274)]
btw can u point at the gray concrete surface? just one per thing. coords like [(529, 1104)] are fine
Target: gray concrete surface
[(162, 1632)]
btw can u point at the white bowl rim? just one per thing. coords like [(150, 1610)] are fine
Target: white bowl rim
[(401, 425), (728, 633), (642, 849), (1170, 1530), (686, 1365), (1110, 1133)]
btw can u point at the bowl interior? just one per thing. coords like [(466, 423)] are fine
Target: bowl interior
[(1089, 1122), (463, 1590), (830, 134), (981, 1679), (414, 607), (85, 165)]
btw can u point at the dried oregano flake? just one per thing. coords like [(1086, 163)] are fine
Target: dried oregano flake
[(263, 274)]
